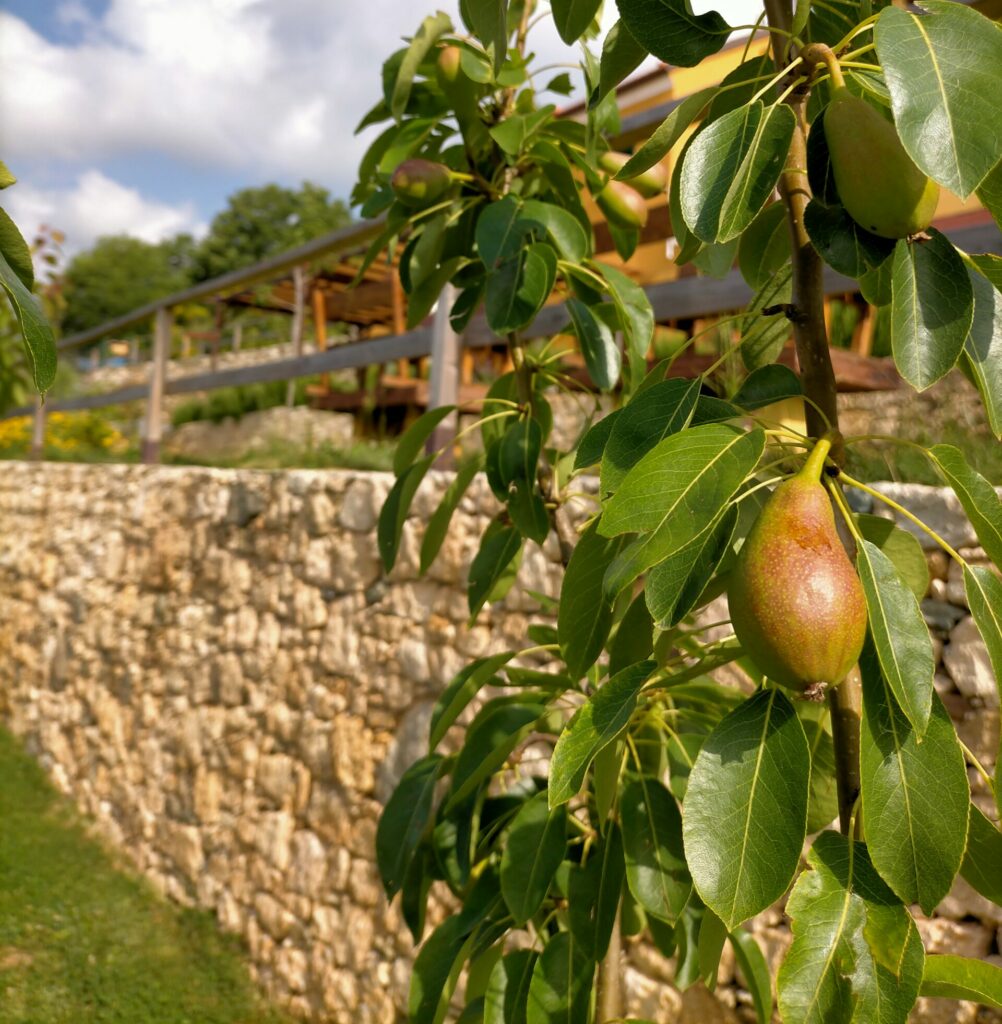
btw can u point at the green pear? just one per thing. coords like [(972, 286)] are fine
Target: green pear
[(650, 183), (623, 206), (876, 180), (418, 183), (797, 605)]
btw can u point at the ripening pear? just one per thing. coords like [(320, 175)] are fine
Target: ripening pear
[(876, 180), (797, 605), (417, 182), (622, 205), (650, 183)]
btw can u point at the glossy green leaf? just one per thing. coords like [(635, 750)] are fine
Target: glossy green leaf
[(712, 936), (982, 357), (671, 32), (498, 550), (876, 285), (507, 995), (493, 734), (901, 547), (980, 500), (673, 587), (842, 243), (537, 840), (900, 635), (431, 30), (754, 970), (687, 944), (414, 895), (932, 308), (489, 21), (516, 131), (732, 167), (634, 637), (822, 802), (594, 725), (573, 17), (520, 448), (765, 245), (820, 175), (462, 688), (671, 129), (15, 250), (621, 56), (767, 384), (6, 178), (745, 810), (984, 597), (652, 840), (404, 820), (598, 346), (914, 795), (593, 442), (990, 193), (39, 343), (674, 493), (652, 415), (982, 864), (528, 511), (561, 225), (560, 990), (519, 287), (438, 525), (764, 335), (595, 891), (832, 972), (414, 438), (716, 259), (435, 972), (958, 977), (394, 511), (634, 309), (585, 614), (499, 231), (941, 67)]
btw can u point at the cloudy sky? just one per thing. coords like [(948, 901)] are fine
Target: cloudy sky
[(142, 116)]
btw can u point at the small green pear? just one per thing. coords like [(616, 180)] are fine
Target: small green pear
[(876, 180), (623, 206), (797, 605), (650, 183), (418, 183)]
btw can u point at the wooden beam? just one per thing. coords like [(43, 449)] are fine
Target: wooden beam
[(38, 431), (320, 332), (296, 328), (153, 434), (443, 388)]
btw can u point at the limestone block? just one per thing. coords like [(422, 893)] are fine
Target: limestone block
[(272, 836), (967, 938), (308, 869), (183, 844), (937, 507), (274, 918), (360, 506), (966, 659)]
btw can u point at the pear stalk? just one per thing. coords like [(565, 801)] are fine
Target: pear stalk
[(811, 338)]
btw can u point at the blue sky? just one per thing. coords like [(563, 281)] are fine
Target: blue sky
[(142, 116)]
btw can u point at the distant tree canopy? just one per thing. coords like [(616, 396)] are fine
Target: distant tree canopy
[(120, 273), (260, 222)]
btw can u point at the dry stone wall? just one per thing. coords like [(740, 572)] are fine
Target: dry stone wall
[(213, 666)]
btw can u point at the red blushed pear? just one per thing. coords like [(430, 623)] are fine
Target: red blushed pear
[(797, 605)]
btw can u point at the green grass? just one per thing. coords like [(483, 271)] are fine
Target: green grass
[(83, 939), (278, 454)]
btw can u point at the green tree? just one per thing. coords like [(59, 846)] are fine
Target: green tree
[(669, 802), (260, 222), (119, 274)]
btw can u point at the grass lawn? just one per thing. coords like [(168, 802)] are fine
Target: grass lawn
[(83, 939)]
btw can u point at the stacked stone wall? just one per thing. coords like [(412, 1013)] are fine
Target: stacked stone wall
[(211, 663)]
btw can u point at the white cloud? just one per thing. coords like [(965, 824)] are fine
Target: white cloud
[(96, 205), (261, 88)]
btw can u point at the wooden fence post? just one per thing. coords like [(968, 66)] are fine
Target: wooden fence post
[(38, 431), (320, 332), (443, 386), (296, 332), (158, 374)]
